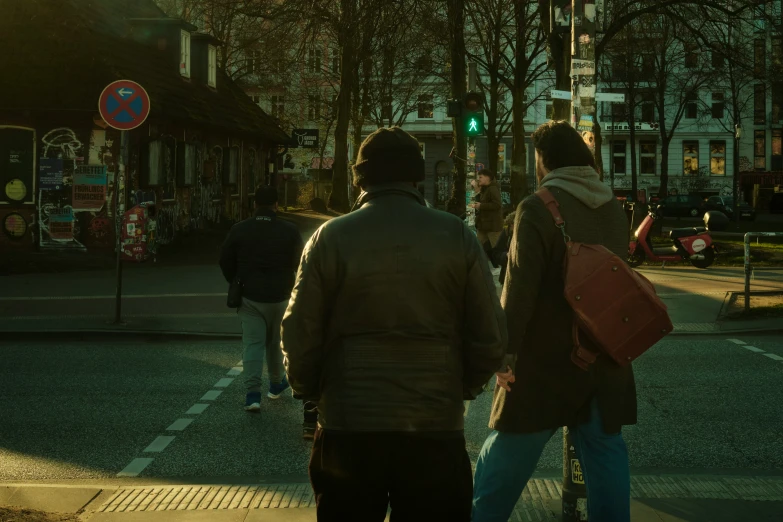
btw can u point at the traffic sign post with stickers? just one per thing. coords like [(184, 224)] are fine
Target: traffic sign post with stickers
[(124, 105)]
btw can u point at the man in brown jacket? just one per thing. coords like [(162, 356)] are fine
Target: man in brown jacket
[(393, 322), (545, 390), (489, 208)]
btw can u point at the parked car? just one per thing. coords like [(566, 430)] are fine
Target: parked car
[(682, 206), (776, 203), (726, 205)]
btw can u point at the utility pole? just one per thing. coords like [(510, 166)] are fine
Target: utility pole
[(583, 118)]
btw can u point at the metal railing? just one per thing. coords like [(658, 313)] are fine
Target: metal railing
[(748, 266)]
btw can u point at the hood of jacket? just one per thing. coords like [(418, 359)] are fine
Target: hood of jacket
[(581, 182)]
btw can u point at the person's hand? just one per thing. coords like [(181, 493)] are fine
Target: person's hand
[(473, 183), (505, 379), (476, 205)]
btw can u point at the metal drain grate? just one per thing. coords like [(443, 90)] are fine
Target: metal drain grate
[(534, 504)]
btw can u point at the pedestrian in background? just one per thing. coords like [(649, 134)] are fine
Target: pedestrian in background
[(542, 389), (393, 322), (498, 255), (263, 253), (489, 207)]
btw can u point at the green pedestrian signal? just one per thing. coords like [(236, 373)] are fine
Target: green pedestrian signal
[(474, 124)]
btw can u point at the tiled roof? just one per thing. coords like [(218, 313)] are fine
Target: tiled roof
[(60, 54)]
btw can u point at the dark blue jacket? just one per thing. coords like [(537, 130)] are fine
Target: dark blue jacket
[(264, 252)]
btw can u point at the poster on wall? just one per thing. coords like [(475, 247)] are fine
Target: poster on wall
[(61, 226), (50, 173), (89, 187)]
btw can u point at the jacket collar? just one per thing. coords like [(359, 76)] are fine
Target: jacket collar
[(264, 212), (388, 189)]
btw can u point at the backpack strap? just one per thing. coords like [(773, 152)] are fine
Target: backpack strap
[(551, 204)]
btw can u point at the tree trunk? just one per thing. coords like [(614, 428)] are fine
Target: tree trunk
[(664, 190), (456, 16), (519, 188), (560, 49), (632, 137), (338, 200)]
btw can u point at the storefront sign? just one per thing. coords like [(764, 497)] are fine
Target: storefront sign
[(305, 138)]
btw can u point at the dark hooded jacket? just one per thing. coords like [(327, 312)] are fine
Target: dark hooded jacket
[(394, 319)]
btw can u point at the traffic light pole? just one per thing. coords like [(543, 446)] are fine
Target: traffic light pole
[(471, 128), (583, 118)]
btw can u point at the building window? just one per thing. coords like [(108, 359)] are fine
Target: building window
[(777, 102), (759, 57), (648, 107), (777, 150), (691, 106), (184, 54), (717, 105), (278, 106), (777, 53), (718, 59), (314, 107), (314, 60), (156, 164), (648, 157), (618, 156), (690, 156), (255, 99), (759, 104), (760, 150), (619, 68), (759, 17), (253, 62), (718, 158), (426, 107), (691, 55), (212, 66), (335, 62)]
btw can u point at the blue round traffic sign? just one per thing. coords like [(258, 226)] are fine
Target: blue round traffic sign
[(124, 105)]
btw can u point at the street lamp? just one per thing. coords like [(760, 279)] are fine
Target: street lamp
[(735, 181)]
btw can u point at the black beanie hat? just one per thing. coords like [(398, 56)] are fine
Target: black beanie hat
[(388, 155)]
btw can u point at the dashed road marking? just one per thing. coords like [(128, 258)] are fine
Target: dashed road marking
[(753, 349), (223, 383), (773, 356), (211, 395), (159, 444), (135, 467), (179, 425), (736, 341), (236, 370), (197, 409)]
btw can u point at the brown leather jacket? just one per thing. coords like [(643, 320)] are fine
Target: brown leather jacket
[(489, 217), (394, 319)]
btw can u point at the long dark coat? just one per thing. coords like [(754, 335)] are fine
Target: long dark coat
[(551, 391)]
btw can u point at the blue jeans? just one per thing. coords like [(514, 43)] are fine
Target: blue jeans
[(261, 338), (508, 460)]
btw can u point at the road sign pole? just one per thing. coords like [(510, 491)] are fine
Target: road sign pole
[(120, 189)]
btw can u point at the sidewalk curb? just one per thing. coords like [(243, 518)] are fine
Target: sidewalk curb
[(113, 332), (735, 331)]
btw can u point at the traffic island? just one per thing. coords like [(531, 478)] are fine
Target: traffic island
[(766, 312), (14, 514)]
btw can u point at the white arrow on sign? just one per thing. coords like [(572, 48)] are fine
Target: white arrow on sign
[(560, 95), (122, 92), (609, 97)]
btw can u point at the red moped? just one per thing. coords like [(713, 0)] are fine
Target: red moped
[(692, 244)]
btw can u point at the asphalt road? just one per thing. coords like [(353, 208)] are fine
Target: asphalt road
[(85, 410)]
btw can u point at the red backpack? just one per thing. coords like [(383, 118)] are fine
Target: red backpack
[(614, 306)]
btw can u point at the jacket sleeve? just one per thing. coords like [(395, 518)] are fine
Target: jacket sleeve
[(485, 334), (527, 264), (304, 328), (228, 256), (493, 199)]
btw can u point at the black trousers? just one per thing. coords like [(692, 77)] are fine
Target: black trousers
[(356, 476)]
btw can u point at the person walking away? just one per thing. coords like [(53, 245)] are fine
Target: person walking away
[(498, 255), (489, 208), (541, 388), (394, 321), (263, 252)]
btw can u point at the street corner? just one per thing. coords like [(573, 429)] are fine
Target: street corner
[(48, 499), (762, 312)]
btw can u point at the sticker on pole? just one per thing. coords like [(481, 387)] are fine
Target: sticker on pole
[(124, 105), (576, 472)]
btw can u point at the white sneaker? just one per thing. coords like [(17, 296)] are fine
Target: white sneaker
[(253, 408)]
